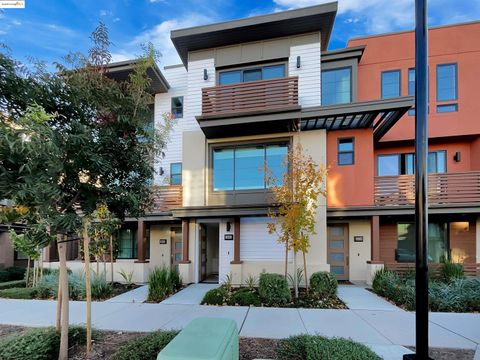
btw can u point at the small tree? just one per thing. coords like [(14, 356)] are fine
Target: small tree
[(296, 195)]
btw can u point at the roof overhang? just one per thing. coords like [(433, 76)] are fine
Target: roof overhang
[(379, 114), (120, 71), (221, 211), (354, 52), (253, 123), (256, 28)]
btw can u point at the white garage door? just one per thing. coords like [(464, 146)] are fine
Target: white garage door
[(256, 243)]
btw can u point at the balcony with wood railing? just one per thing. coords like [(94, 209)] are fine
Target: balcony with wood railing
[(166, 198), (443, 189), (250, 97)]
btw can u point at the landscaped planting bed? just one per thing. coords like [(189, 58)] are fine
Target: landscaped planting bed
[(47, 287), (451, 292), (273, 291), (162, 283)]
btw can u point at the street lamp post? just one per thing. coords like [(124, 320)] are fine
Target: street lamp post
[(421, 181)]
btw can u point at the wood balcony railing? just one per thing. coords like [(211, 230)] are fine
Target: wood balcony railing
[(166, 198), (446, 188), (263, 95)]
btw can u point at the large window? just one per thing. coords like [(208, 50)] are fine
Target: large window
[(177, 107), (437, 242), (242, 167), (402, 164), (446, 82), (176, 174), (127, 244), (390, 84), (346, 152), (251, 74), (337, 86)]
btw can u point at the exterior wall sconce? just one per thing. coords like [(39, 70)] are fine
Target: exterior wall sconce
[(458, 156), (298, 62), (205, 74), (229, 226)]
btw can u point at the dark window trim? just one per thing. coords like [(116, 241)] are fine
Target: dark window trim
[(180, 173), (251, 67), (235, 145), (399, 155), (345, 152), (456, 81), (351, 82), (445, 105), (134, 248), (172, 107), (399, 82)]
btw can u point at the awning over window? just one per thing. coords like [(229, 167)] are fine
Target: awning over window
[(379, 114)]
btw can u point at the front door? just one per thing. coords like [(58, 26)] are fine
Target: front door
[(337, 235), (176, 240), (203, 252)]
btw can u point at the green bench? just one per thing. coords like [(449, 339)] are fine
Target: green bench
[(204, 339)]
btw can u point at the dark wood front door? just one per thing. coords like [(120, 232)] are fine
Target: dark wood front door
[(337, 235), (203, 252), (176, 240)]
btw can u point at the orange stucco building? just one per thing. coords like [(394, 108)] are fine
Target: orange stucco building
[(376, 190)]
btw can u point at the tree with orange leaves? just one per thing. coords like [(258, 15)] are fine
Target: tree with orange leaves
[(296, 197)]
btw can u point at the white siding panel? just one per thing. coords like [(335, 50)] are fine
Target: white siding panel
[(256, 243), (177, 78), (308, 73)]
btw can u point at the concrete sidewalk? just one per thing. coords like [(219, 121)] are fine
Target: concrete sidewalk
[(138, 295), (192, 295), (385, 331), (359, 298)]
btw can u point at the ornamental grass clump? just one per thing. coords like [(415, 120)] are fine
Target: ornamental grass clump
[(162, 283)]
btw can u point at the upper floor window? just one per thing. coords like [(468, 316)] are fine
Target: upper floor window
[(177, 107), (251, 74), (411, 87), (242, 167), (337, 86), (346, 152), (404, 164), (390, 84), (176, 174), (446, 82)]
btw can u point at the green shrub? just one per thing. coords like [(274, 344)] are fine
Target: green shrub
[(38, 344), (245, 297), (16, 272), (216, 296), (48, 286), (101, 288), (18, 293), (323, 284), (383, 281), (273, 289), (12, 284), (451, 271), (163, 282), (310, 347), (4, 276), (145, 347)]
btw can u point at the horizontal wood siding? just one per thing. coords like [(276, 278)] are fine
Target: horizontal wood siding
[(196, 83), (470, 269), (256, 244), (166, 198), (463, 241), (388, 242), (250, 96), (462, 187)]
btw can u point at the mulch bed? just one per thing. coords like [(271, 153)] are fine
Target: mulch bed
[(250, 348)]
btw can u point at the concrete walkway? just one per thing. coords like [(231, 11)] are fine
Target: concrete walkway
[(386, 332), (138, 295), (192, 295), (359, 298)]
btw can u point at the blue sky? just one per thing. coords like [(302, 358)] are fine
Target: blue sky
[(49, 29)]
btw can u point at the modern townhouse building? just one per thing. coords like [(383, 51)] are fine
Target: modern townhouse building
[(247, 90)]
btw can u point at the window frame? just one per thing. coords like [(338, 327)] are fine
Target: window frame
[(399, 71), (402, 160), (345, 152), (351, 84), (133, 240), (172, 106), (456, 82), (285, 141), (249, 68), (173, 174)]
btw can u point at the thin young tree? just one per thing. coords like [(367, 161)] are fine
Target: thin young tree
[(296, 197), (74, 138)]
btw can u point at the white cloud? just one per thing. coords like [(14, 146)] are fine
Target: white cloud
[(159, 35), (377, 15), (16, 23), (122, 56)]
